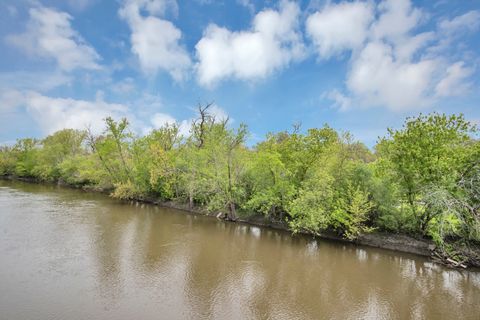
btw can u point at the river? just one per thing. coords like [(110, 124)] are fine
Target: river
[(67, 254)]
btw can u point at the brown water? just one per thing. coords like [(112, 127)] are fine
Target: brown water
[(66, 254)]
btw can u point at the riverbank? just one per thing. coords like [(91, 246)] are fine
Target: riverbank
[(390, 241)]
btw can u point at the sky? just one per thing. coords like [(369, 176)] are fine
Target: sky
[(359, 66)]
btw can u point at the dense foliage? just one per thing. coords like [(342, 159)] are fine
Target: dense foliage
[(423, 179)]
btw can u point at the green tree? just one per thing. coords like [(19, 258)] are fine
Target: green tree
[(270, 186), (428, 152), (112, 150), (153, 158), (57, 148), (8, 160), (26, 151)]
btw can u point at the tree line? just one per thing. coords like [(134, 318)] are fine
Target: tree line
[(422, 179)]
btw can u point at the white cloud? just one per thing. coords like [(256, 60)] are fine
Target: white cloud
[(162, 119), (155, 41), (49, 34), (454, 82), (377, 79), (451, 30), (340, 100), (53, 114), (271, 44), (397, 19), (339, 27), (406, 47), (469, 21), (392, 65)]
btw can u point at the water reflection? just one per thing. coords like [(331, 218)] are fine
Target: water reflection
[(67, 254)]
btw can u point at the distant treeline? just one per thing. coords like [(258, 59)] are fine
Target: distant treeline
[(423, 179)]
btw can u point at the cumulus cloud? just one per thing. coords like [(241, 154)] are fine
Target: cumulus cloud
[(469, 21), (162, 119), (156, 41), (53, 114), (273, 41), (376, 78), (339, 27), (391, 65), (49, 34), (454, 82), (340, 100), (397, 18)]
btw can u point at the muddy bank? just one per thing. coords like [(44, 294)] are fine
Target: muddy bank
[(390, 241)]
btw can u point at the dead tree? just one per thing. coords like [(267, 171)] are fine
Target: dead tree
[(200, 124)]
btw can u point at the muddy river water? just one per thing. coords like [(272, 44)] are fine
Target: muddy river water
[(67, 254)]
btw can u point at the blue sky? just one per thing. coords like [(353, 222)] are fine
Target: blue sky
[(360, 66)]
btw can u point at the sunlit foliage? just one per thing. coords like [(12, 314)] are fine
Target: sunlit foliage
[(422, 179)]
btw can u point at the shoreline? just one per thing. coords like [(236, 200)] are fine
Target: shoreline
[(390, 241)]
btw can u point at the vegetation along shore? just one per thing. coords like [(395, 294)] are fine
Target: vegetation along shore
[(418, 191)]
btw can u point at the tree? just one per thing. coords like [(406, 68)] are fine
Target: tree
[(423, 179), (427, 152), (8, 160), (270, 184), (225, 155), (25, 151), (112, 149), (458, 207), (334, 197), (153, 158), (57, 148)]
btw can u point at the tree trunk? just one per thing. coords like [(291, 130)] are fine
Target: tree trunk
[(233, 212), (424, 221), (190, 201)]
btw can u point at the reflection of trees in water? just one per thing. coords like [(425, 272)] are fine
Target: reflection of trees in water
[(153, 262), (109, 230), (132, 246), (239, 272), (203, 268), (222, 274)]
